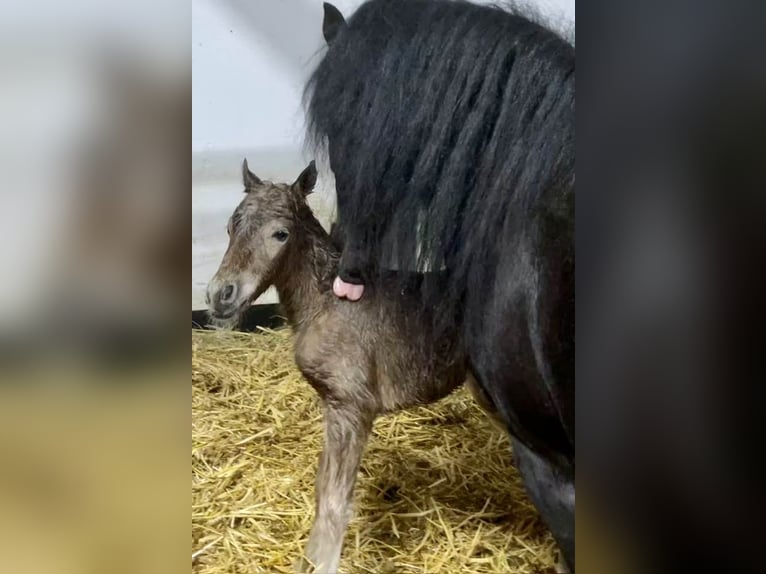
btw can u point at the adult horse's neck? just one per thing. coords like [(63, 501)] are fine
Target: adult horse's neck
[(304, 279)]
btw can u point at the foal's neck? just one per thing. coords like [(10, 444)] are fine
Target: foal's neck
[(304, 279)]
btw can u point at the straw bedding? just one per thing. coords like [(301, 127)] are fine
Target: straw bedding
[(437, 491)]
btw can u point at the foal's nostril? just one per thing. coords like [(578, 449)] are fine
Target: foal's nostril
[(227, 293)]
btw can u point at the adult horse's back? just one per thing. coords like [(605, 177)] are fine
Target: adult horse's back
[(450, 130)]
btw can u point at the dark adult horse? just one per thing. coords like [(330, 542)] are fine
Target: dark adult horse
[(450, 130)]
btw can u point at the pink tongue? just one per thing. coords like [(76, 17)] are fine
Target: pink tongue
[(348, 290)]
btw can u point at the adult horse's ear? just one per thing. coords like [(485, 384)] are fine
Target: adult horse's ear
[(333, 22), (248, 177), (307, 179)]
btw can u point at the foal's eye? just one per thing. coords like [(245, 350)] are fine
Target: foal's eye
[(280, 235)]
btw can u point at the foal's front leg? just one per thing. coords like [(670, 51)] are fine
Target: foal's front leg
[(346, 431)]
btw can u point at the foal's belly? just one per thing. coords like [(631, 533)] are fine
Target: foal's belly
[(366, 352), (408, 375)]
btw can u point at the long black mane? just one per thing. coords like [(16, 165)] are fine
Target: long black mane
[(450, 130)]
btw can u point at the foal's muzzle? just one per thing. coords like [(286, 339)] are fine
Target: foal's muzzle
[(222, 299)]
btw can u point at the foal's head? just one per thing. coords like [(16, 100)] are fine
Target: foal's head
[(259, 234)]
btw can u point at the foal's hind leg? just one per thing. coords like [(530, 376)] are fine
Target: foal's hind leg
[(553, 494), (346, 433)]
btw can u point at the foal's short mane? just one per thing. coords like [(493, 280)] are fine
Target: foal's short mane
[(320, 249)]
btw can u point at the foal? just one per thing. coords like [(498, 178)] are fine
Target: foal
[(364, 358)]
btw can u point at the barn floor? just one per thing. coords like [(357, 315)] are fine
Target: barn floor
[(436, 493)]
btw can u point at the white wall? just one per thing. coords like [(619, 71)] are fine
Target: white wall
[(250, 60), (249, 63)]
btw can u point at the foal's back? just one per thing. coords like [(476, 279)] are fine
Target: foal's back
[(379, 351)]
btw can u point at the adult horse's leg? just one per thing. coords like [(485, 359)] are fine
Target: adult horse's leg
[(552, 491), (520, 339), (548, 473)]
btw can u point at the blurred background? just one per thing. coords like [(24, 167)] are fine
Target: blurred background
[(94, 118), (95, 114)]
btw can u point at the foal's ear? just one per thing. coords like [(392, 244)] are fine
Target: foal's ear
[(332, 23), (307, 179), (248, 177)]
